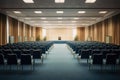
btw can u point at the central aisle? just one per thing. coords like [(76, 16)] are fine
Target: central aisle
[(61, 65), (60, 59)]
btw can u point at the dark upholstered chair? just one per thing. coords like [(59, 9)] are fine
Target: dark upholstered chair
[(37, 54), (12, 60), (85, 54), (97, 59), (111, 59), (2, 59), (26, 59)]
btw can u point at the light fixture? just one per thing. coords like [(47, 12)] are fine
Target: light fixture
[(37, 12), (76, 18), (59, 12), (103, 12), (59, 21), (81, 12), (27, 18), (17, 12), (28, 1), (43, 18), (45, 21), (90, 1), (59, 18), (59, 1), (74, 21)]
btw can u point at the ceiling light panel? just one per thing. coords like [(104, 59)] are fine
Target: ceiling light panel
[(81, 12), (59, 12), (59, 1), (59, 18), (76, 18), (28, 1), (38, 12), (90, 1), (103, 12), (43, 18), (17, 12)]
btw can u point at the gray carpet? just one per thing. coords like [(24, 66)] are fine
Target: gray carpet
[(59, 65)]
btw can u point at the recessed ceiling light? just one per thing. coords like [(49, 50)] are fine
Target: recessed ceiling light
[(45, 21), (43, 18), (28, 1), (90, 1), (17, 12), (81, 12), (59, 1), (103, 12), (74, 21), (59, 18), (59, 21), (59, 12), (38, 12), (76, 18)]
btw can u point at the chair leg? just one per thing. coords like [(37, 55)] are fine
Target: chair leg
[(41, 60), (22, 67)]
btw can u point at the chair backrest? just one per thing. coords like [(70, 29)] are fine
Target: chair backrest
[(17, 52), (96, 51), (85, 54), (105, 52), (26, 59), (111, 58), (25, 51), (12, 59), (97, 59), (36, 54), (1, 59)]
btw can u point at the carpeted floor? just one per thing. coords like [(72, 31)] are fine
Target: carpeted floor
[(59, 65)]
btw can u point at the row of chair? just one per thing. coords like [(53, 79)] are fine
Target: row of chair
[(111, 59), (23, 53), (96, 52), (26, 59)]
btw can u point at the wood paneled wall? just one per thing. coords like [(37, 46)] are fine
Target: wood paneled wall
[(27, 31), (81, 33), (108, 27), (21, 33), (3, 30), (16, 29), (33, 33), (13, 28), (39, 32)]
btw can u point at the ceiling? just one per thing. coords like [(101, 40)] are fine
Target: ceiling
[(70, 17)]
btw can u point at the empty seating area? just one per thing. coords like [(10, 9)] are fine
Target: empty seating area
[(96, 52), (23, 53)]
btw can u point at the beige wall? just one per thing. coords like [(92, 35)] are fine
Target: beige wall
[(64, 33)]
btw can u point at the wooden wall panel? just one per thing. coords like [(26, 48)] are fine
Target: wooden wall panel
[(81, 33), (39, 32), (3, 33), (21, 33), (34, 33), (13, 28), (0, 30), (26, 33), (108, 27)]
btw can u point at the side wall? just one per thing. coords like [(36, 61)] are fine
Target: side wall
[(109, 27)]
